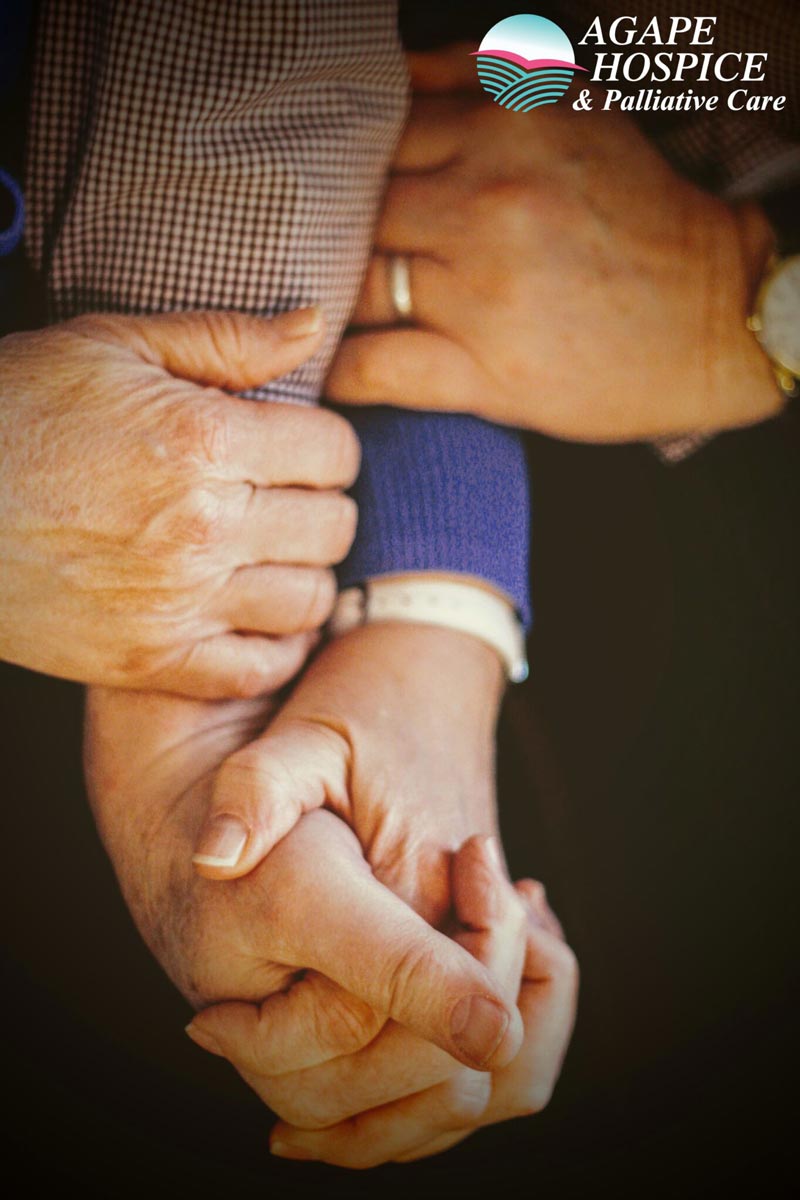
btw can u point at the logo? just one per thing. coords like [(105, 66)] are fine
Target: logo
[(526, 61)]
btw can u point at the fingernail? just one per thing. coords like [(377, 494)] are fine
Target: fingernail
[(221, 842), (303, 323), (284, 1150), (478, 1026), (203, 1039)]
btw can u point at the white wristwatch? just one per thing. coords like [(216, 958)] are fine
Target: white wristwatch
[(776, 320), (461, 606)]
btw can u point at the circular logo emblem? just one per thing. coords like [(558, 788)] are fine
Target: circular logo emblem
[(526, 61)]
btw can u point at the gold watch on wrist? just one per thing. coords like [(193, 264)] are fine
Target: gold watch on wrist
[(776, 320)]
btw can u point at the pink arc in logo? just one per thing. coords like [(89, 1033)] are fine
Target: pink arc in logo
[(529, 64)]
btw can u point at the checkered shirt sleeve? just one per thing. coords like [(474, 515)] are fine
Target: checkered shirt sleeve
[(211, 154), (192, 154)]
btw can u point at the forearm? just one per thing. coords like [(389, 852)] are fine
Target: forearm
[(441, 493), (435, 494), (251, 175)]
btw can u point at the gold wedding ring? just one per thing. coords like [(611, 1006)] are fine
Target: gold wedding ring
[(400, 286)]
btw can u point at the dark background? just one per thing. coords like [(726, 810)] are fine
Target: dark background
[(649, 774)]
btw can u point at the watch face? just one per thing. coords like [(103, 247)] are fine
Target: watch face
[(780, 315)]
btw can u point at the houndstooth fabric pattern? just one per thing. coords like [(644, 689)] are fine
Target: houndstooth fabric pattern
[(212, 153), (741, 154)]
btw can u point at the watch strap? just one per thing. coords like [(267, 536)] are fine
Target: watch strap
[(445, 603)]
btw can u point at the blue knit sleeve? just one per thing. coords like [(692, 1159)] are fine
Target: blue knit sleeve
[(441, 493)]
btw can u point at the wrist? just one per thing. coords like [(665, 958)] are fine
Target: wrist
[(375, 672), (453, 602)]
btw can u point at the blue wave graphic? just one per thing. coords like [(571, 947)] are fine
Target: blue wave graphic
[(519, 90)]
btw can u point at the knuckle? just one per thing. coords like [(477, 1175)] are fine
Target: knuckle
[(321, 599), (252, 679), (346, 1025), (465, 1097), (142, 661), (201, 431), (516, 912), (338, 527), (535, 1098), (299, 1104), (511, 207), (343, 448), (224, 333), (408, 976), (200, 521), (348, 524), (361, 369), (214, 435), (248, 684), (241, 775), (252, 772)]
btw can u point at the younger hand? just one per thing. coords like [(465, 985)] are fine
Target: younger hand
[(564, 278), (156, 532), (391, 727)]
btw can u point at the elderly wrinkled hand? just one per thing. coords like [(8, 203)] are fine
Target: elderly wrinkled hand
[(563, 277), (312, 918), (157, 532), (396, 1097), (392, 728)]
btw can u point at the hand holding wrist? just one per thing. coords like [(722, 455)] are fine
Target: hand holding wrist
[(648, 279), (314, 905), (154, 525), (392, 727)]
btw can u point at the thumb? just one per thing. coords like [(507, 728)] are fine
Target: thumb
[(227, 349), (372, 944), (316, 1022), (262, 790)]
